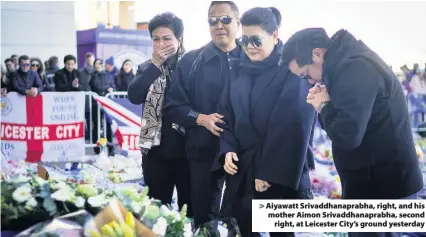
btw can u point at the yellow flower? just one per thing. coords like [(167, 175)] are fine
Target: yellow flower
[(102, 142)]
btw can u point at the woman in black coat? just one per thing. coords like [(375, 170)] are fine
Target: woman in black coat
[(162, 144), (125, 76), (268, 124)]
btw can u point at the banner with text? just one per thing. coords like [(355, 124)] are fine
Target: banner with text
[(125, 119), (45, 128), (339, 215)]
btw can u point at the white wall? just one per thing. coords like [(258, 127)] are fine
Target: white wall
[(38, 29)]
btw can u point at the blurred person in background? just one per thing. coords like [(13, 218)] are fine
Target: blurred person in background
[(25, 81), (101, 85), (161, 142), (415, 70), (37, 66), (99, 81), (197, 83), (85, 76), (111, 70), (4, 82), (15, 61), (67, 79), (125, 76), (10, 65), (406, 78), (51, 69), (418, 84)]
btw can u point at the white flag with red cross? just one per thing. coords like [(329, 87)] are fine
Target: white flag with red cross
[(45, 128)]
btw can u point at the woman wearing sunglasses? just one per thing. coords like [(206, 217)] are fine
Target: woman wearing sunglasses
[(267, 124), (37, 66)]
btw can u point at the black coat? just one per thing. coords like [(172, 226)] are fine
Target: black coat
[(22, 81), (172, 144), (269, 125), (123, 80), (368, 123), (100, 83), (63, 80), (197, 84)]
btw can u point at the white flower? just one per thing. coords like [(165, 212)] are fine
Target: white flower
[(21, 179), (176, 216), (146, 201), (60, 185), (187, 230), (97, 201), (22, 194), (160, 227), (64, 194), (79, 202), (165, 211), (40, 181), (136, 207), (31, 203)]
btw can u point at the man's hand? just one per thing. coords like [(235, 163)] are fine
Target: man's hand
[(317, 95), (261, 186), (229, 165), (160, 55), (32, 92), (110, 90), (209, 122), (3, 91), (75, 83)]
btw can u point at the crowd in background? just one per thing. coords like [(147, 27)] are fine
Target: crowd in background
[(24, 73), (414, 80), (30, 76)]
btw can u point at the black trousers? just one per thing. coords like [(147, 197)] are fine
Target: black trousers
[(242, 205), (161, 175), (95, 128), (206, 191), (280, 192)]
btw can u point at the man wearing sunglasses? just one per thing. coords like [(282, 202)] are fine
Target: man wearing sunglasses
[(197, 84), (364, 113), (24, 80)]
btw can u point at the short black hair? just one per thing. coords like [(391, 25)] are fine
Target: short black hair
[(269, 19), (23, 57), (300, 45), (8, 60), (100, 61), (69, 57), (53, 60), (168, 20), (13, 56), (232, 4)]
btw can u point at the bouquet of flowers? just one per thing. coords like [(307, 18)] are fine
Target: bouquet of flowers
[(225, 227), (25, 201)]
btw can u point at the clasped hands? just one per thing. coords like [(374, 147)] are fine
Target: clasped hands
[(317, 95)]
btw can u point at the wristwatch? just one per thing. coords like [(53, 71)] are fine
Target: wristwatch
[(322, 105)]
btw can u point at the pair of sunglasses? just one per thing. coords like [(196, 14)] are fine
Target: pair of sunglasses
[(254, 40), (214, 20), (35, 65), (24, 64)]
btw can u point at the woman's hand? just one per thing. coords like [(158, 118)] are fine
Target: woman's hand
[(160, 55), (261, 186), (229, 165)]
